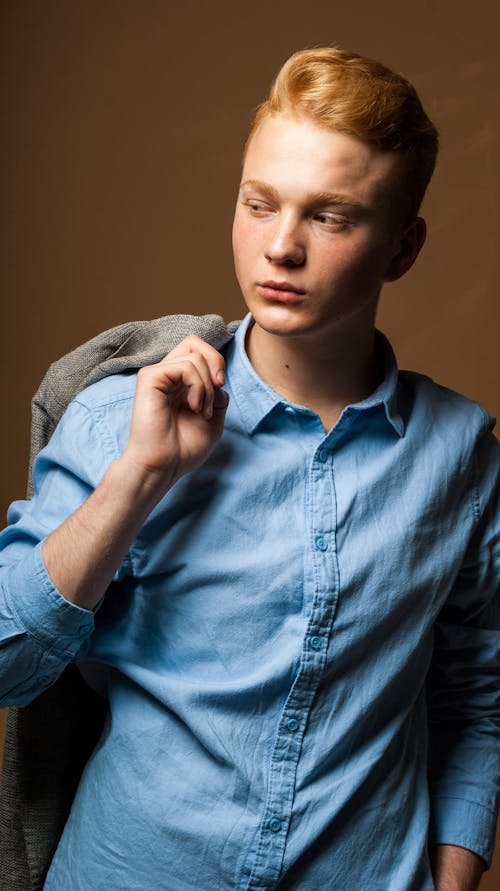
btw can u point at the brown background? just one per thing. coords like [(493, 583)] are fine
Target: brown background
[(122, 129)]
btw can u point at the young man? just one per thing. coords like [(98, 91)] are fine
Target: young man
[(276, 560)]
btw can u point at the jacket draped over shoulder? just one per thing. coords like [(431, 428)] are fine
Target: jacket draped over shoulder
[(49, 741)]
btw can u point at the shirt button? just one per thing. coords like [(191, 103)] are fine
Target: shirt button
[(293, 725), (323, 455), (274, 824), (316, 643), (44, 680), (289, 409), (85, 628), (321, 543)]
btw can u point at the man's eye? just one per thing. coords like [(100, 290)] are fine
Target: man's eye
[(256, 206), (331, 219)]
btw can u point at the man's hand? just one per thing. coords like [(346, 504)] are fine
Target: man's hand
[(179, 411), (177, 418), (455, 869)]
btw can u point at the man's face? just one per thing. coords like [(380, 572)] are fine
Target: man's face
[(335, 249)]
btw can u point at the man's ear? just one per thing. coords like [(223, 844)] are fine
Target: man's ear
[(410, 245)]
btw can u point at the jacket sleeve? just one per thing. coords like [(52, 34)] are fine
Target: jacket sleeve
[(464, 681), (40, 631)]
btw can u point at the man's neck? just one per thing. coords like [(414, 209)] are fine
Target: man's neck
[(322, 373)]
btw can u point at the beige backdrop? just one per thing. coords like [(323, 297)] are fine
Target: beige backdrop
[(123, 124)]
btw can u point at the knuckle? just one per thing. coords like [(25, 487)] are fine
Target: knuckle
[(193, 339), (196, 365), (198, 361), (201, 346), (182, 347)]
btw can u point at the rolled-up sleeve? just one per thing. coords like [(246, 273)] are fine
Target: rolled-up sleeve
[(41, 631), (464, 681)]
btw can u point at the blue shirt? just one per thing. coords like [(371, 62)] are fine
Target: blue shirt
[(298, 624)]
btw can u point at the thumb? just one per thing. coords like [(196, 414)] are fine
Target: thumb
[(221, 401)]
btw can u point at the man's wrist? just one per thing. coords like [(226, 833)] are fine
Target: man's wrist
[(455, 868), (140, 485)]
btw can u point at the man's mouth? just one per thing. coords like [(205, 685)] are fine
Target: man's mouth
[(284, 292)]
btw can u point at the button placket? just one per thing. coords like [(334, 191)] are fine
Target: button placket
[(320, 501)]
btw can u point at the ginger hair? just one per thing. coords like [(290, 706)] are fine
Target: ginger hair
[(352, 94)]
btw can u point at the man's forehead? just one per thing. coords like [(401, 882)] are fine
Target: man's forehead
[(316, 159), (286, 135)]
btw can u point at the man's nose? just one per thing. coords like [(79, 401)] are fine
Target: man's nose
[(286, 244)]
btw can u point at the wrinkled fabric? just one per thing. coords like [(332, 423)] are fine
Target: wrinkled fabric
[(299, 626)]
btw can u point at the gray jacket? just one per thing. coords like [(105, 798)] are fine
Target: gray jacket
[(49, 741)]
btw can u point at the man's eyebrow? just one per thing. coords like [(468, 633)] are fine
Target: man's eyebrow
[(312, 199)]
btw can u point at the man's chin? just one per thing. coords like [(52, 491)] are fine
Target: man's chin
[(282, 320)]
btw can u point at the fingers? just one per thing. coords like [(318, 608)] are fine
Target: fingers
[(214, 360), (193, 371), (195, 380), (209, 364)]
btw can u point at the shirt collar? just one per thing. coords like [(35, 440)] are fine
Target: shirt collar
[(256, 399)]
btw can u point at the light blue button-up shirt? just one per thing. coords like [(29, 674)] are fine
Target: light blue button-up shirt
[(298, 624)]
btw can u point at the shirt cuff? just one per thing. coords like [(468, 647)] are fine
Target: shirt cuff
[(455, 821), (42, 610)]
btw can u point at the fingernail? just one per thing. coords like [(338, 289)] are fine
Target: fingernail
[(221, 377)]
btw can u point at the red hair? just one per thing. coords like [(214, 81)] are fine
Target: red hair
[(359, 96)]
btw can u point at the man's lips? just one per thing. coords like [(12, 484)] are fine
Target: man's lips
[(284, 292)]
